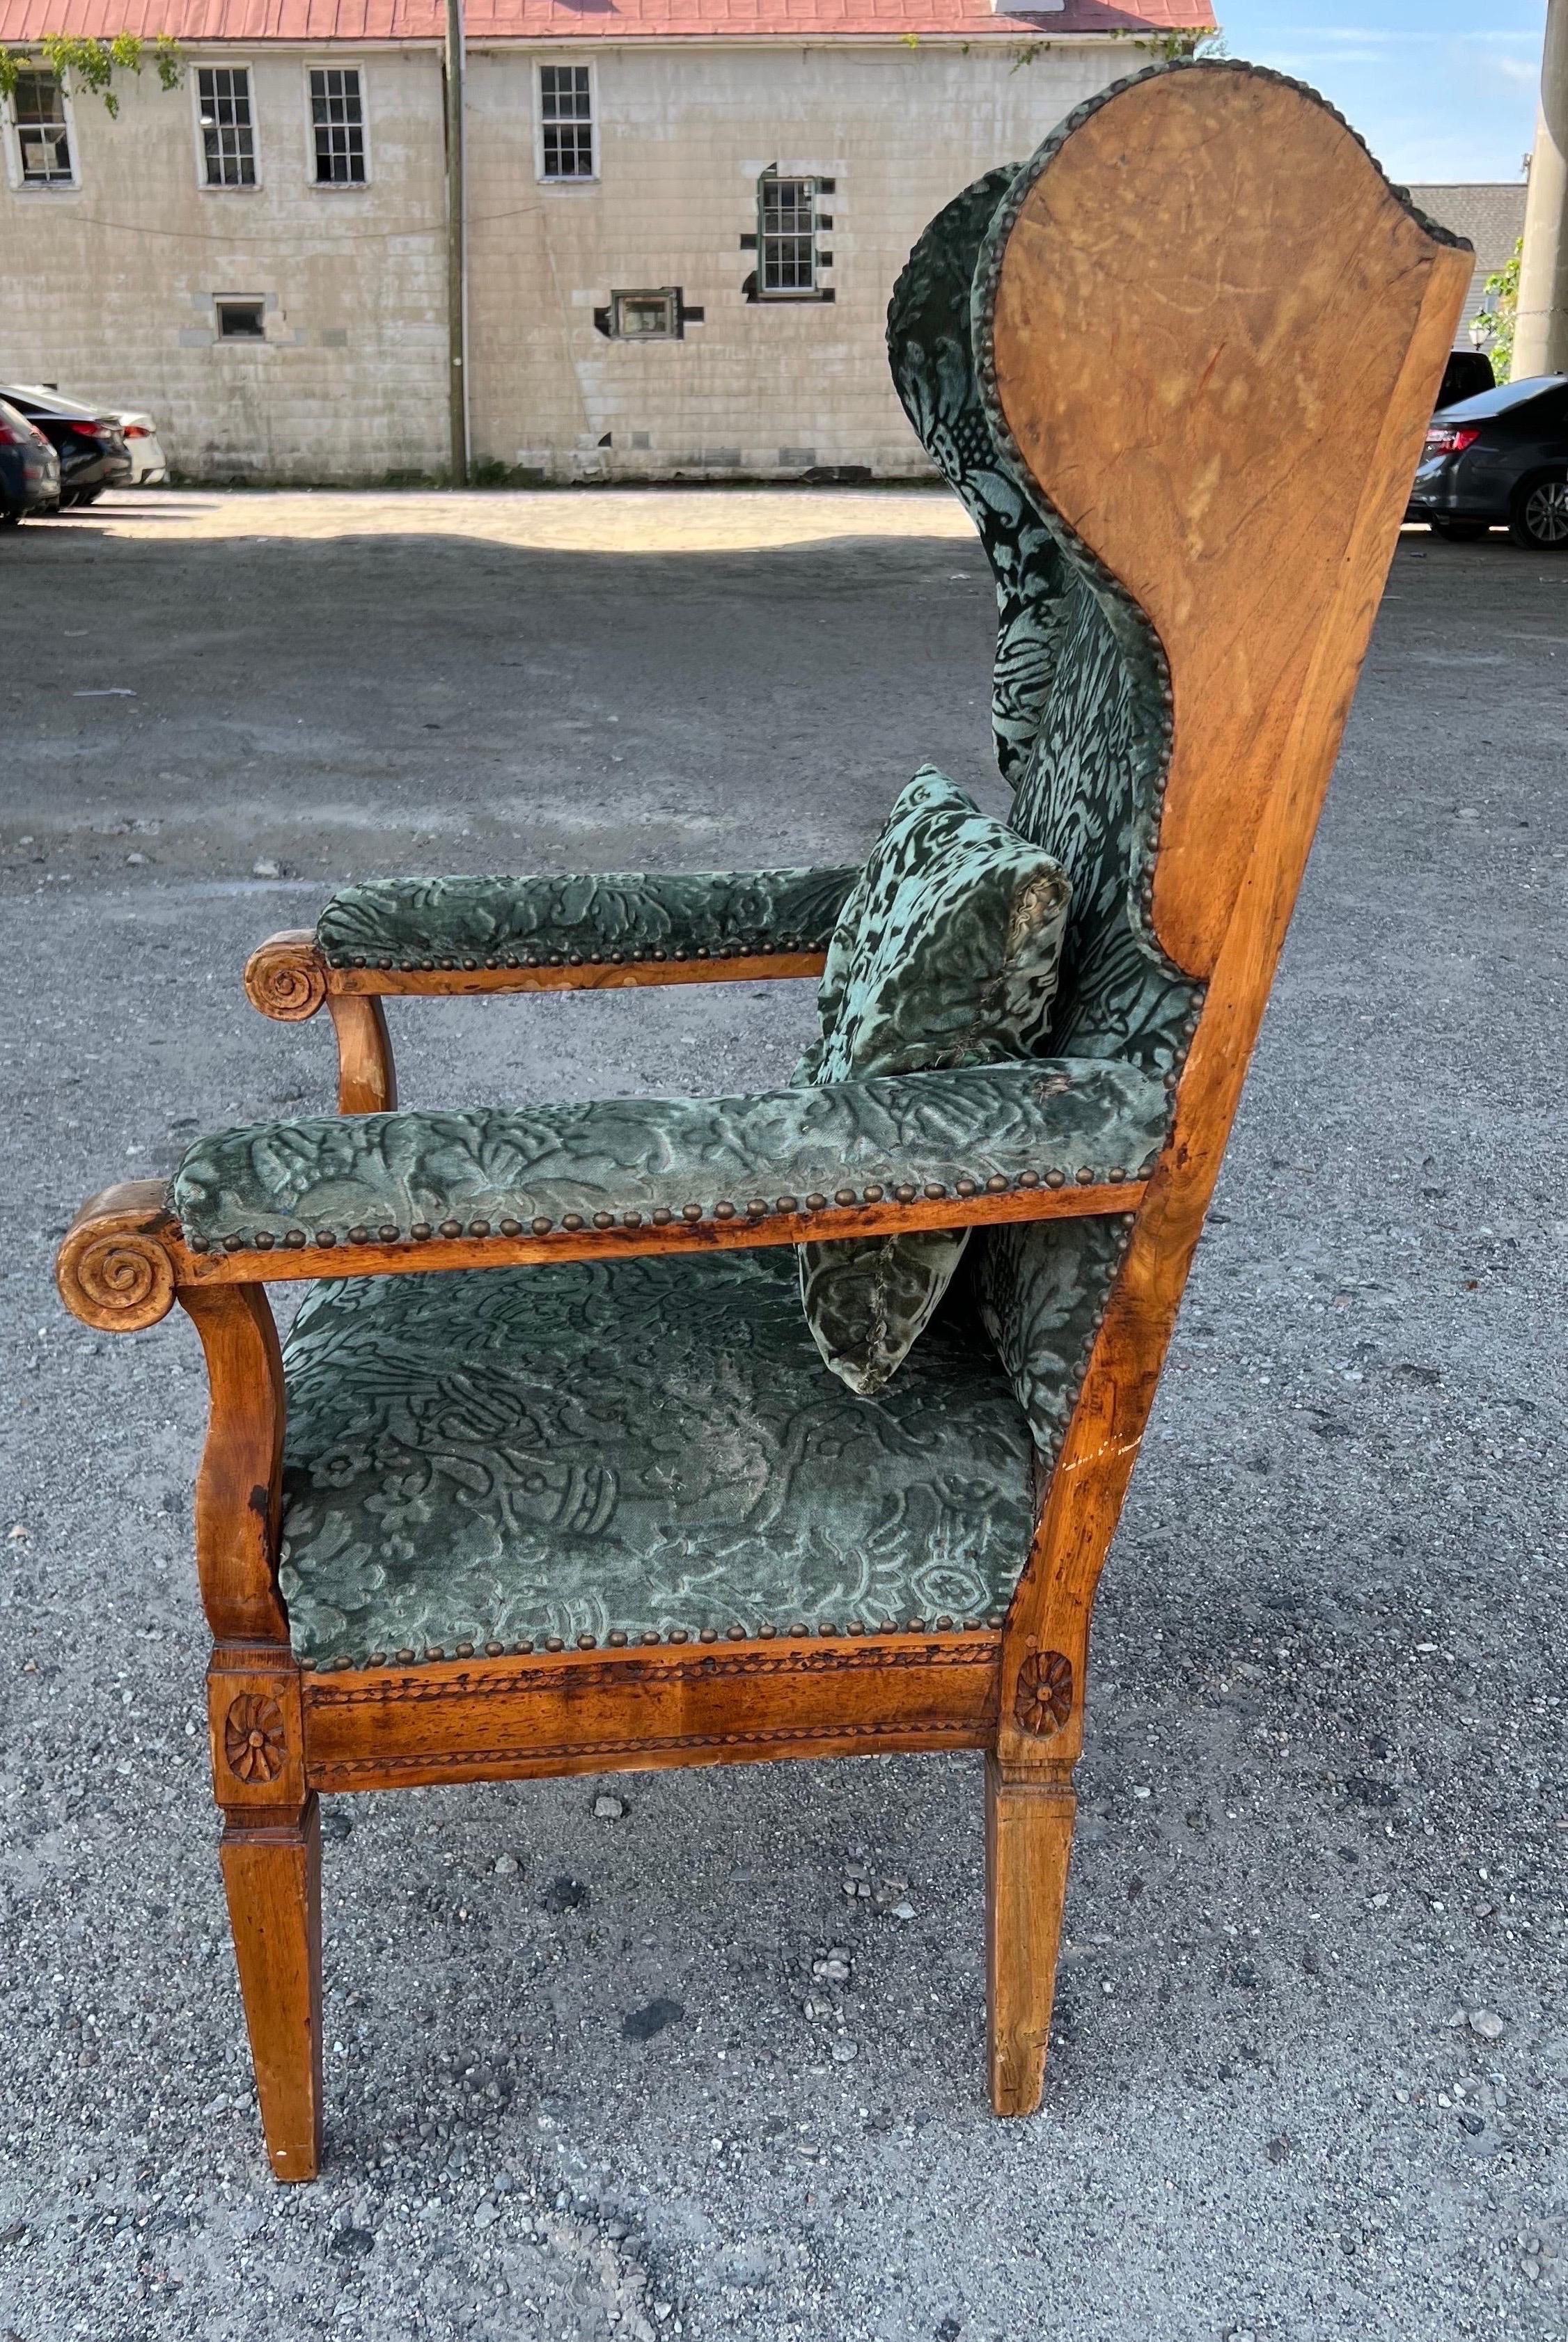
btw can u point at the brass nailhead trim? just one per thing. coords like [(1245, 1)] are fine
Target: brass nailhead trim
[(388, 1235), (451, 1227), (691, 1211), (420, 1230), (604, 1219), (786, 1203), (327, 1235), (586, 1642), (465, 1650), (511, 1228), (358, 1235), (708, 1635), (631, 1220), (816, 1203), (995, 1182), (493, 1650), (721, 1211), (541, 1228), (572, 1220)]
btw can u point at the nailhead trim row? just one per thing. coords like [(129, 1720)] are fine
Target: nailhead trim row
[(663, 1215), (618, 1639)]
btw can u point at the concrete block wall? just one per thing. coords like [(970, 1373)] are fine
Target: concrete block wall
[(757, 388), (108, 288)]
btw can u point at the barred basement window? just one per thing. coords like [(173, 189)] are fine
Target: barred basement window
[(786, 236), (566, 122), (227, 131), (643, 316), (338, 125), (43, 134)]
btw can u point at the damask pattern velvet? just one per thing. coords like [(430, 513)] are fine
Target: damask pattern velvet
[(945, 954), (650, 1447), (392, 1174), (629, 915), (1083, 716)]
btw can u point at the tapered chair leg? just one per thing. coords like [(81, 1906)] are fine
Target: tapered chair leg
[(273, 1879), (1029, 1843)]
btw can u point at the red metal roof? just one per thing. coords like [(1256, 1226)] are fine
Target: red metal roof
[(198, 22)]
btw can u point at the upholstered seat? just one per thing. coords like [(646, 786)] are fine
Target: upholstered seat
[(650, 1448)]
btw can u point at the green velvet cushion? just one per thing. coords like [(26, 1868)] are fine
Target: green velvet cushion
[(945, 954), (628, 915), (508, 1456), (388, 1175)]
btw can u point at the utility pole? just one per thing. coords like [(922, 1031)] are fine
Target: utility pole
[(1541, 332), (457, 250)]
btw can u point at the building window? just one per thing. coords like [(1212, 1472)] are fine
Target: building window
[(227, 131), (338, 125), (43, 133), (566, 122), (646, 316), (786, 236), (241, 321)]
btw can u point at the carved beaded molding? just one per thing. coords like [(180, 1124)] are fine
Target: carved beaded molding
[(872, 1651)]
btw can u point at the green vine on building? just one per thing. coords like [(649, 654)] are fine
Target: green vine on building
[(93, 64)]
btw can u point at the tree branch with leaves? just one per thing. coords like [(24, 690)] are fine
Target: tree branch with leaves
[(93, 64)]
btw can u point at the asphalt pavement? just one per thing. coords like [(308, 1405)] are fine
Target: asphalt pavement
[(710, 2061)]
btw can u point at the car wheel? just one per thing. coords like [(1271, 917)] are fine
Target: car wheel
[(86, 497), (67, 498), (1540, 515), (1458, 532)]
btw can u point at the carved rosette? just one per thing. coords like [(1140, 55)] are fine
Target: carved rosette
[(114, 1270), (1043, 1700), (254, 1740), (285, 976)]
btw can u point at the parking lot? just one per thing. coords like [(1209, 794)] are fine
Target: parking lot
[(1314, 2016)]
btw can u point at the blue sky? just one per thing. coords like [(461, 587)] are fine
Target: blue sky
[(1439, 89)]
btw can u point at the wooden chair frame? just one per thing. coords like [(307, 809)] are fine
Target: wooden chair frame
[(1264, 653)]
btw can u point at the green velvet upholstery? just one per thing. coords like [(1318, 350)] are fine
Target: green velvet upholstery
[(629, 915), (653, 1447), (945, 954), (383, 1175), (1082, 717)]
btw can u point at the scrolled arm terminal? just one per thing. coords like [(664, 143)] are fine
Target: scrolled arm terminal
[(286, 976), (116, 1269)]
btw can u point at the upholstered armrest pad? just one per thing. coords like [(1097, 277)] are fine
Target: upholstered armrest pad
[(629, 915), (383, 1175)]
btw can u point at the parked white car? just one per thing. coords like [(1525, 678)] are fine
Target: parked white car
[(148, 463), (148, 466)]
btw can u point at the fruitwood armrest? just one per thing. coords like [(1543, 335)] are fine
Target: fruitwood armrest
[(430, 935), (388, 1194)]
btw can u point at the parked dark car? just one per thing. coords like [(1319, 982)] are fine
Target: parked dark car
[(1467, 374), (29, 468), (1500, 458), (91, 447)]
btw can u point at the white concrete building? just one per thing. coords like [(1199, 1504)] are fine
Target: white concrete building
[(683, 218)]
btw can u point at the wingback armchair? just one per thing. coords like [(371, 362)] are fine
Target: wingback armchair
[(549, 1477)]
